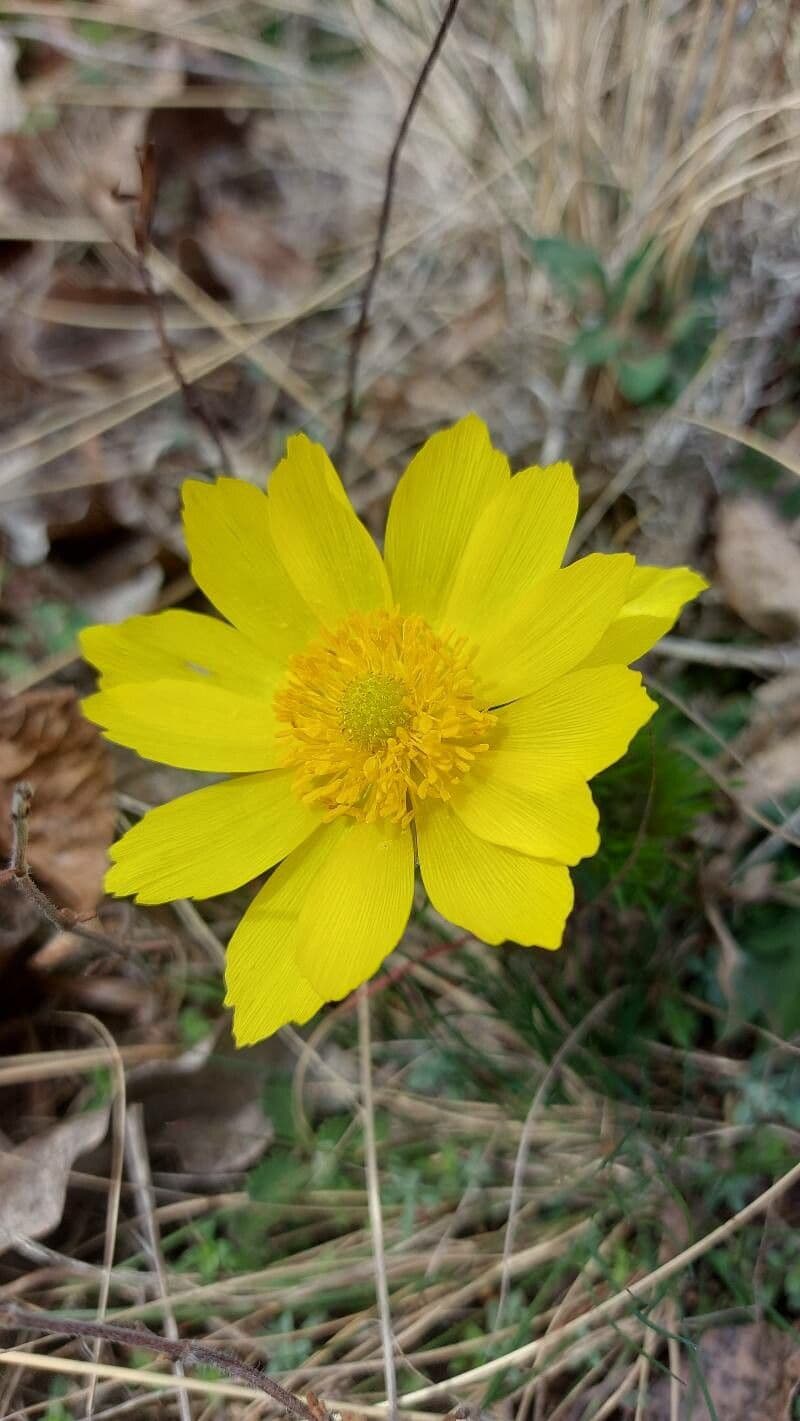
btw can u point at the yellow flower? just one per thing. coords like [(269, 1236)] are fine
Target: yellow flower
[(446, 703)]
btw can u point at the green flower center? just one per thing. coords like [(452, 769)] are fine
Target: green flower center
[(372, 709)]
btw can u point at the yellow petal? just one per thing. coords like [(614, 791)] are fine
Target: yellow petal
[(655, 598), (551, 820), (196, 727), (572, 728), (235, 562), (518, 538), (326, 550), (552, 628), (210, 841), (488, 890), (177, 645), (355, 913), (265, 987), (434, 510)]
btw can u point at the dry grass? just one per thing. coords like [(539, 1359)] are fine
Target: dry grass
[(611, 124), (576, 1221)]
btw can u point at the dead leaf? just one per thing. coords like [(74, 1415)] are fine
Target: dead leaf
[(250, 258), (44, 739), (203, 1114), (750, 1372), (35, 1174), (770, 745), (773, 772), (82, 359), (758, 565)]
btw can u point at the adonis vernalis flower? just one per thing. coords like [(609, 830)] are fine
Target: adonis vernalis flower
[(444, 704)]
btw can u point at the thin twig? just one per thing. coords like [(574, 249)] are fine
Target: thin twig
[(360, 328), (662, 439), (18, 872), (142, 225), (182, 1350), (21, 800), (599, 1009), (374, 1199), (117, 1163), (784, 829), (645, 1357), (138, 1162), (629, 1295), (764, 659)]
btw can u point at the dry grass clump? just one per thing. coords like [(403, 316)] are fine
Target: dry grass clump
[(611, 1200), (615, 126)]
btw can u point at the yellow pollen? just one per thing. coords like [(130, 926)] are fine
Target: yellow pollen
[(378, 714)]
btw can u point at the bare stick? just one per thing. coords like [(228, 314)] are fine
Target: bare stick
[(18, 873), (142, 224), (20, 822), (138, 1162), (360, 328), (374, 1198), (762, 659), (631, 1294), (598, 1010), (182, 1350)]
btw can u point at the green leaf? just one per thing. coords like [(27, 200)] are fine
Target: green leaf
[(634, 276), (641, 380), (278, 1105), (685, 323), (95, 31), (277, 1178), (193, 1025), (56, 624), (679, 1021), (570, 265), (330, 1131), (596, 346), (769, 978)]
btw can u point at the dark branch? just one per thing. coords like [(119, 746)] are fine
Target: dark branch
[(182, 1350), (360, 328), (19, 873), (142, 225)]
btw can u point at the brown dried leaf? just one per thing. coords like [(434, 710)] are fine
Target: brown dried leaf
[(84, 359), (773, 772), (201, 1115), (770, 746), (751, 1373), (44, 739), (34, 1176), (758, 565), (249, 257)]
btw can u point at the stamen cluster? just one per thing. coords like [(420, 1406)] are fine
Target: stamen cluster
[(378, 714)]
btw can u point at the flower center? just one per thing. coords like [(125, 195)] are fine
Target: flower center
[(378, 714), (372, 708)]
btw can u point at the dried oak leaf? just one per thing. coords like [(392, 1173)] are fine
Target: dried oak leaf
[(35, 1174), (44, 739), (758, 565)]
